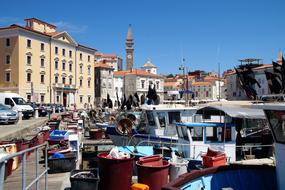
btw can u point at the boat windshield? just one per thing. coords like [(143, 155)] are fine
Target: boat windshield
[(19, 101), (276, 120), (174, 117), (150, 118), (161, 118)]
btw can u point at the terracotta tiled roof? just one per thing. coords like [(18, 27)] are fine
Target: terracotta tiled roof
[(102, 65), (200, 83), (210, 78), (136, 72), (38, 20), (171, 84), (109, 55)]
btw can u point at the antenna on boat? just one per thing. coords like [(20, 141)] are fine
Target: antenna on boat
[(219, 77)]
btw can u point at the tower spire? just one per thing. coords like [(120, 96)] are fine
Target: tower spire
[(130, 35), (129, 49)]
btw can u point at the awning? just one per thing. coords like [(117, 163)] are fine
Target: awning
[(173, 92), (232, 111), (185, 91)]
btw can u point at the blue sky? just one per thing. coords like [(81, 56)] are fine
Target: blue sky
[(204, 32)]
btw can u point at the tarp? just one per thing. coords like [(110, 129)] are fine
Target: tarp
[(237, 112)]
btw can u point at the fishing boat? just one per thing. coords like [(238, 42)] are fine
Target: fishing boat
[(152, 122), (239, 176)]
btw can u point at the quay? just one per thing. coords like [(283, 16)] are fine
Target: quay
[(19, 129)]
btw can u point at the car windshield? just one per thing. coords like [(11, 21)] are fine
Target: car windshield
[(2, 107), (19, 101)]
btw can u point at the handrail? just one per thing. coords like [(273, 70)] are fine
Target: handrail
[(23, 153)]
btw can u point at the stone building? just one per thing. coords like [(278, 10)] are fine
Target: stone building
[(45, 65)]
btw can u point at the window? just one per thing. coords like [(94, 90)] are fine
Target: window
[(174, 117), (80, 69), (88, 58), (7, 76), (56, 50), (89, 83), (196, 133), (277, 124), (29, 43), (42, 62), (89, 99), (8, 59), (29, 97), (70, 81), (8, 101), (63, 52), (81, 99), (70, 67), (157, 85), (207, 94), (57, 99), (42, 78), (63, 80), (80, 56), (42, 47), (29, 59), (80, 82), (150, 118), (56, 79), (56, 65), (42, 98), (142, 82), (29, 76), (161, 118), (89, 71), (70, 53), (7, 42), (63, 65)]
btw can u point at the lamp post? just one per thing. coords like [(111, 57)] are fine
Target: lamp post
[(183, 68)]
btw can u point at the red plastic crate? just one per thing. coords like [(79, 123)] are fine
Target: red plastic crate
[(209, 161)]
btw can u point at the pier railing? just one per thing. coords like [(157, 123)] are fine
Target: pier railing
[(23, 154)]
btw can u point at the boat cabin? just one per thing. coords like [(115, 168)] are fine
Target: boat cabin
[(195, 138), (160, 120), (275, 113)]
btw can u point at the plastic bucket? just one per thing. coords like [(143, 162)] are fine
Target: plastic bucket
[(177, 168), (155, 175), (115, 173)]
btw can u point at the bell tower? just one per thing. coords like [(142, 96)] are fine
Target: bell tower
[(129, 49)]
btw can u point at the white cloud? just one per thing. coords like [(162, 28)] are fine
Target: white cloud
[(61, 25)]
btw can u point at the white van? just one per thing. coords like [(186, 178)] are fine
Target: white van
[(17, 103)]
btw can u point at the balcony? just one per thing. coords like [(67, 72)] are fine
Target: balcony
[(64, 86)]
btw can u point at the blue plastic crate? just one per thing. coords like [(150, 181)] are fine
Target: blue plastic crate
[(59, 135)]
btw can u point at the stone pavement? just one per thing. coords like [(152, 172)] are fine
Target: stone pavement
[(8, 131)]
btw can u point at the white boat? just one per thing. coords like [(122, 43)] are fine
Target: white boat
[(153, 123)]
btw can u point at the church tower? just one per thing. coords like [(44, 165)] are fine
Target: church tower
[(129, 49)]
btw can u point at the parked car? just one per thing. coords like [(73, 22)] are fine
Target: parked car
[(48, 107), (42, 110), (17, 103), (58, 108), (7, 115)]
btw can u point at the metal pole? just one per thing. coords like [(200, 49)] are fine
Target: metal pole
[(46, 167), (24, 171), (219, 80), (2, 175), (37, 168)]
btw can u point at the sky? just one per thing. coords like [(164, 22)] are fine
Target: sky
[(205, 33)]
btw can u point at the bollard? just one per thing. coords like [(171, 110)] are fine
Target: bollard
[(20, 116), (36, 115), (49, 115)]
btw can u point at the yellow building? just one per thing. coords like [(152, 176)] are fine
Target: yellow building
[(45, 65)]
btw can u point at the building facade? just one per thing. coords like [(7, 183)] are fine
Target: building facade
[(234, 90), (112, 60), (104, 82), (46, 66)]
